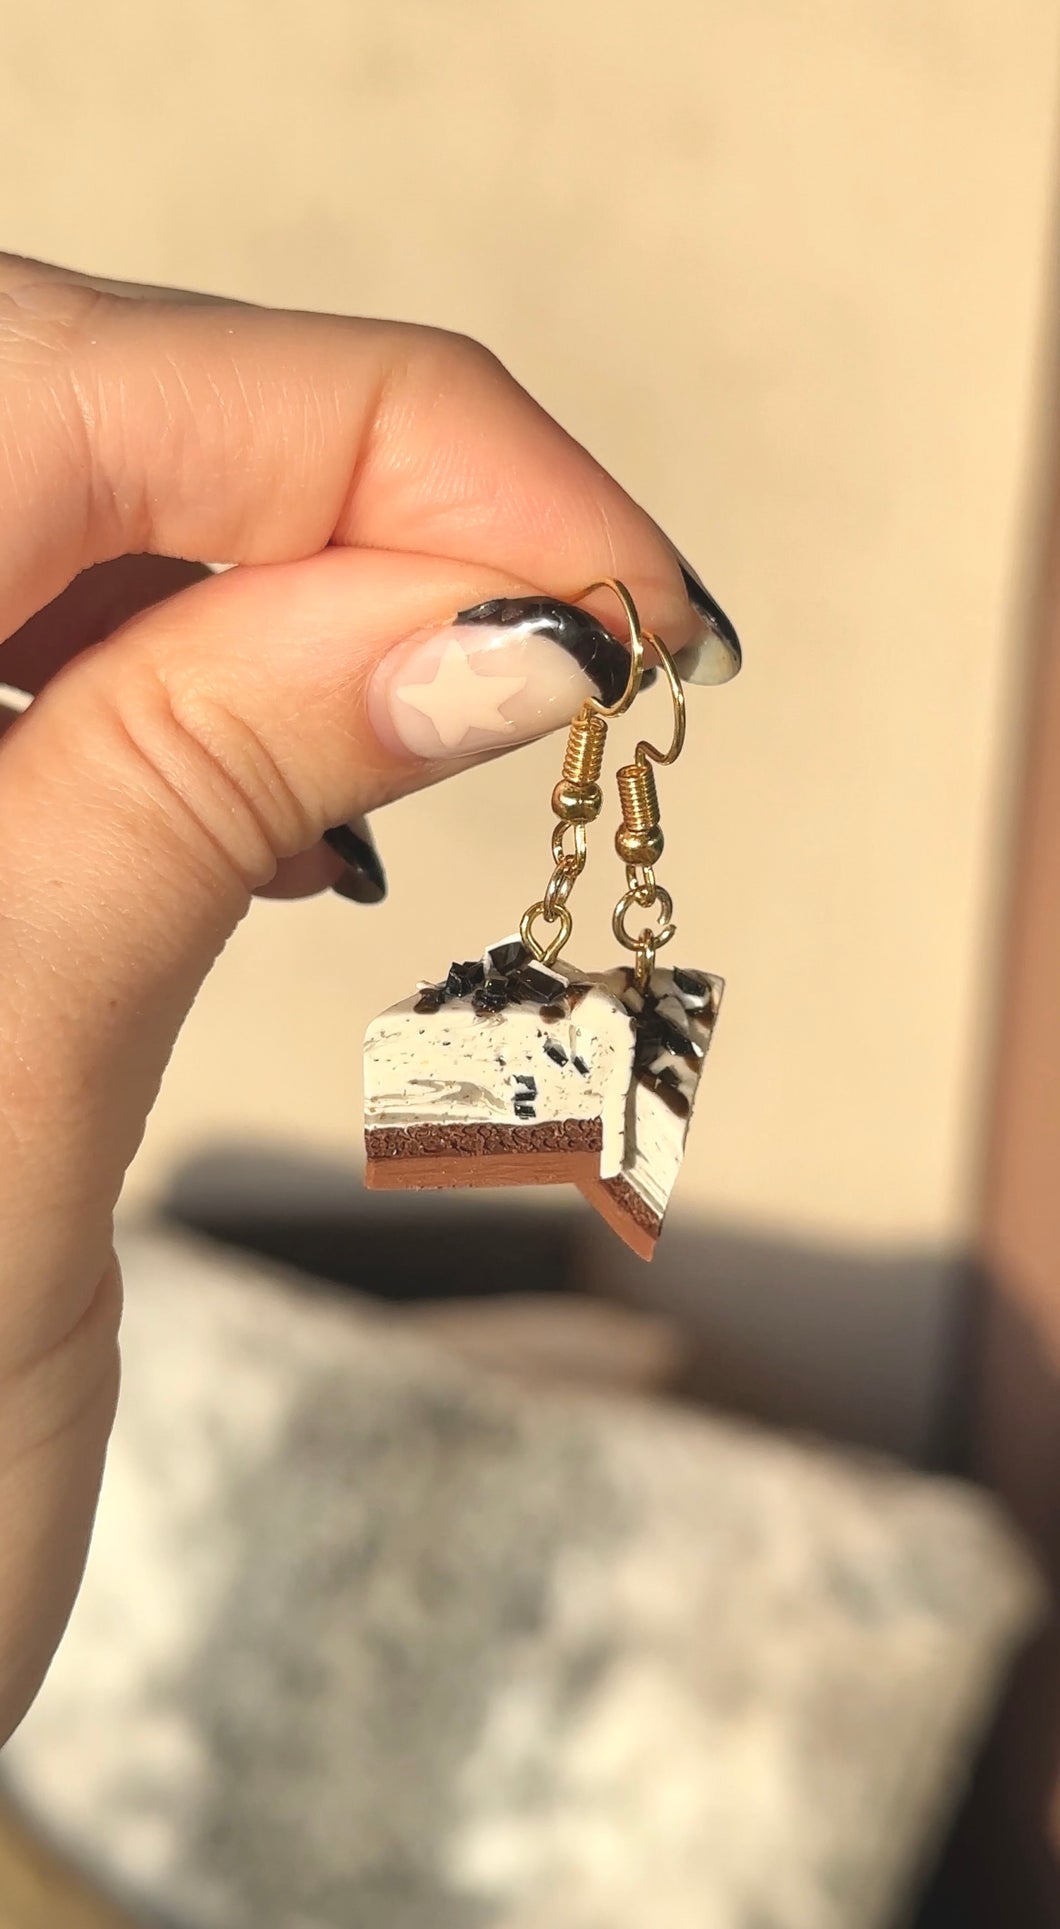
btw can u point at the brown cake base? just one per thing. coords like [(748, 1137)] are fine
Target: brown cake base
[(625, 1212), (427, 1158)]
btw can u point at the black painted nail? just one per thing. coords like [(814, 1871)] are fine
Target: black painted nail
[(598, 654), (716, 656), (364, 879)]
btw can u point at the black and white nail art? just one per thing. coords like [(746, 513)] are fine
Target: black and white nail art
[(716, 656), (499, 673), (364, 879), (596, 652), (516, 667)]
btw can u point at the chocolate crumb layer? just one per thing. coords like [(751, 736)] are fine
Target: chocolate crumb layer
[(482, 1141), (631, 1202)]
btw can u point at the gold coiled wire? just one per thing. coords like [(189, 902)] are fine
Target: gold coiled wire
[(577, 801), (586, 742)]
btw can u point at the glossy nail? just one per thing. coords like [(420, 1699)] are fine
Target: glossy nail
[(498, 674), (715, 656), (364, 879)]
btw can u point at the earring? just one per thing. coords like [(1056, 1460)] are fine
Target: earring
[(519, 1069)]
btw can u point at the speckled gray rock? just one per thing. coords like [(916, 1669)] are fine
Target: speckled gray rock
[(370, 1641)]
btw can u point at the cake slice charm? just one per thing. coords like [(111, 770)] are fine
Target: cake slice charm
[(506, 1073), (673, 1023), (509, 1073), (518, 1069)]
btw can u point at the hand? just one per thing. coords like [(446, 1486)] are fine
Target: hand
[(371, 480)]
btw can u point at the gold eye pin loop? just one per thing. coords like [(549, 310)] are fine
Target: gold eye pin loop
[(546, 954)]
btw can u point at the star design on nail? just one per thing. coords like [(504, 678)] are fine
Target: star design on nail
[(457, 699)]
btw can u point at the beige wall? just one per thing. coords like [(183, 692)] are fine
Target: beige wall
[(782, 267)]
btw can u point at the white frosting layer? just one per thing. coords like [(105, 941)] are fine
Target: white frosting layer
[(458, 1066), (655, 1145), (655, 1131)]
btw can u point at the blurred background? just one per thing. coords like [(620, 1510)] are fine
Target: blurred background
[(789, 271)]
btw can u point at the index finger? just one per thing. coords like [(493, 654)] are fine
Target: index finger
[(238, 434)]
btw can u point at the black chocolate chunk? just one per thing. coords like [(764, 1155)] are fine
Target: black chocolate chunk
[(508, 957), (666, 1085), (655, 1034), (540, 983), (550, 1012), (463, 978), (580, 1065), (530, 1083), (429, 1000), (694, 984), (555, 1051), (524, 1109), (518, 992), (492, 996)]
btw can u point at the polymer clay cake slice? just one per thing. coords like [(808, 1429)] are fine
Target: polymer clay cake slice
[(673, 1023), (509, 1072)]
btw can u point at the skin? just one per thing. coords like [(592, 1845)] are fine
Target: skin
[(192, 740)]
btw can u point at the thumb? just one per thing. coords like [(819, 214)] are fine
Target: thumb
[(153, 785)]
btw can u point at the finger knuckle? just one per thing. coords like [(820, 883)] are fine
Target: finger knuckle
[(218, 783), (442, 362), (472, 360), (43, 317)]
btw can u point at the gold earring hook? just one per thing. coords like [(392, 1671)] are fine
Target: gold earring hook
[(577, 801), (637, 640), (639, 838), (677, 698)]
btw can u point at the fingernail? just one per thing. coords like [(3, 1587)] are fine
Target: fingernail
[(364, 879), (498, 674), (716, 656)]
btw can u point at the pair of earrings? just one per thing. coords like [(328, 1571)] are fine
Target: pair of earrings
[(518, 1069)]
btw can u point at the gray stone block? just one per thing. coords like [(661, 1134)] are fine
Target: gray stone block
[(371, 1640)]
